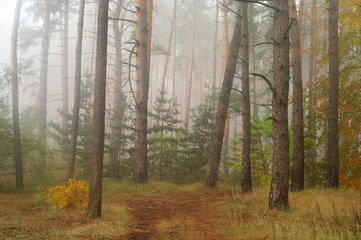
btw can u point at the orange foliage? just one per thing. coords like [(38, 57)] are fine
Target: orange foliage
[(72, 195)]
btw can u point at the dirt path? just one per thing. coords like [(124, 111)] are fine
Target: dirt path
[(176, 216)]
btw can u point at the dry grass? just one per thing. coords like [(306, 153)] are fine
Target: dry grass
[(315, 214)]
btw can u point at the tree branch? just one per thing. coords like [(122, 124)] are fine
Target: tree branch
[(266, 79), (258, 2)]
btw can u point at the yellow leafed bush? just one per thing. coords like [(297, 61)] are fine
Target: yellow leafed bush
[(72, 195)]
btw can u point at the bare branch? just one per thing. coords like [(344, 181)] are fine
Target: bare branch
[(258, 2), (266, 79)]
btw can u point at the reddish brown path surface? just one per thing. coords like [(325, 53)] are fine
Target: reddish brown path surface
[(176, 216)]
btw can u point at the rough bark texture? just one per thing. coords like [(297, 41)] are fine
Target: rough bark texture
[(65, 75), (333, 92), (44, 70), (15, 98), (77, 84), (278, 198), (297, 176), (141, 108), (223, 104), (246, 182), (96, 168), (118, 115), (311, 129)]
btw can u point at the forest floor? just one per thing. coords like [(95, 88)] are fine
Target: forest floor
[(159, 210)]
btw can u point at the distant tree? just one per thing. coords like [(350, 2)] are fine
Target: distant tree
[(44, 69), (15, 98), (278, 198), (223, 103), (333, 94), (141, 102), (297, 176), (77, 85), (96, 167)]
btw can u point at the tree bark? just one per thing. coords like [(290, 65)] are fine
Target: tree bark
[(333, 93), (44, 70), (297, 176), (278, 198), (65, 75), (311, 77), (141, 108), (246, 181), (77, 85), (15, 98), (96, 168), (223, 104)]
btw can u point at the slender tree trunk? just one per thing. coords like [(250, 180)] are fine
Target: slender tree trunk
[(150, 26), (65, 75), (141, 108), (278, 198), (77, 84), (215, 47), (96, 168), (15, 98), (165, 67), (190, 76), (118, 112), (223, 104), (297, 176), (44, 70), (333, 93), (311, 77), (174, 63), (246, 182)]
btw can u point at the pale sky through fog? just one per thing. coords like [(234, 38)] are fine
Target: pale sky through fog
[(7, 7)]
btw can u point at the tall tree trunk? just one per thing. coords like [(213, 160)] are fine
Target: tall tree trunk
[(174, 63), (118, 112), (278, 198), (77, 85), (333, 92), (246, 181), (150, 26), (297, 176), (15, 98), (311, 77), (65, 75), (190, 76), (96, 168), (165, 67), (44, 70), (141, 108), (223, 104), (215, 47)]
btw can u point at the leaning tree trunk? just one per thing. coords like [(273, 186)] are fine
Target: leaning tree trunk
[(165, 67), (77, 85), (96, 168), (44, 70), (297, 176), (65, 75), (223, 104), (141, 103), (15, 98), (246, 182), (278, 197), (333, 92)]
